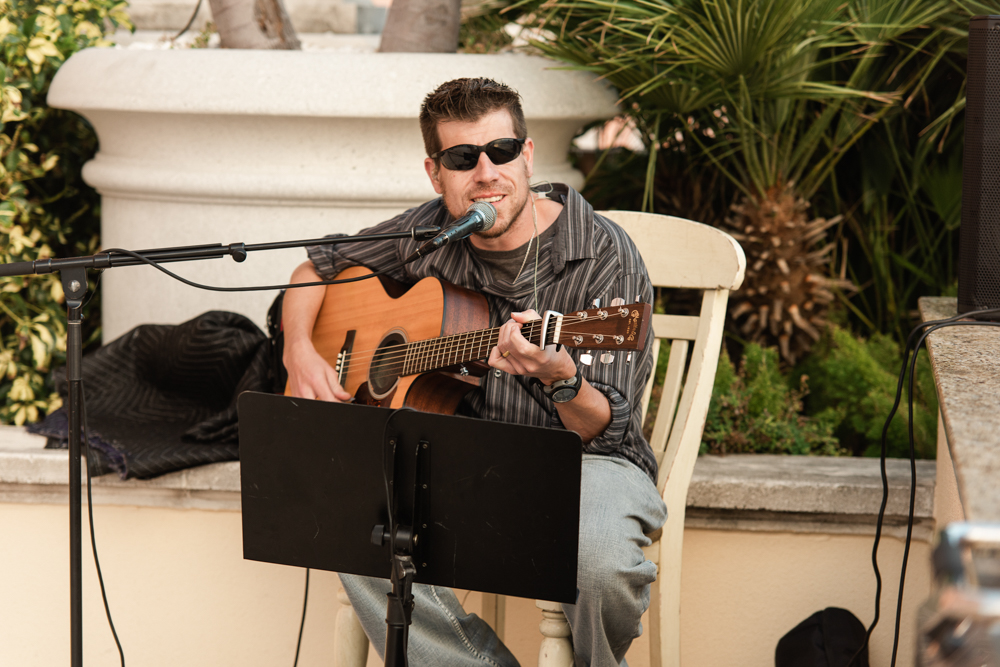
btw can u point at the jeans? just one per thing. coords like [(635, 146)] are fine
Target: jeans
[(618, 505)]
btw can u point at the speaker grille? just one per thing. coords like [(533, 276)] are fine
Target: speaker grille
[(979, 237)]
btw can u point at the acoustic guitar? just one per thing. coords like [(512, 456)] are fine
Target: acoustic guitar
[(423, 346)]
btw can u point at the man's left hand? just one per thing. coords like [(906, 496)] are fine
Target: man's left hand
[(514, 354)]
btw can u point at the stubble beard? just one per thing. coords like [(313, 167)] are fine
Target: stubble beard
[(501, 226)]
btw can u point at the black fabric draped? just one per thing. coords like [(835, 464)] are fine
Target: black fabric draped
[(163, 397)]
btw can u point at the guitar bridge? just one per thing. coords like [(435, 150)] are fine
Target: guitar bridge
[(344, 357)]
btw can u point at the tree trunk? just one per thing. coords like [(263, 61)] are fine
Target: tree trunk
[(422, 26), (253, 24)]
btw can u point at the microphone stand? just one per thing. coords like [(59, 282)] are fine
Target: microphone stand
[(73, 275)]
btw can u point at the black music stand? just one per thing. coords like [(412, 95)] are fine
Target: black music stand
[(476, 505)]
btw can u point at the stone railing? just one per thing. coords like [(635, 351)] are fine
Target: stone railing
[(966, 363)]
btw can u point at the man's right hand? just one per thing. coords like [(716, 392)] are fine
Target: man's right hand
[(309, 376)]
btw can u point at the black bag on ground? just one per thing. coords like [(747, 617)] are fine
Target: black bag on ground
[(828, 638)]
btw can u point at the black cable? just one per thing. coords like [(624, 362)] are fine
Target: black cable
[(302, 625), (92, 293), (913, 465), (90, 516), (90, 505), (930, 327), (252, 288), (385, 475), (392, 519), (913, 497)]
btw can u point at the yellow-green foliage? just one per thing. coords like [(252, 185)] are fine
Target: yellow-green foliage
[(754, 409), (854, 381), (45, 210)]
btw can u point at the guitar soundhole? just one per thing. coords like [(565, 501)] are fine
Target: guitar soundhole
[(387, 365)]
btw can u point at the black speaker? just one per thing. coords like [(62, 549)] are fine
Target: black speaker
[(979, 236)]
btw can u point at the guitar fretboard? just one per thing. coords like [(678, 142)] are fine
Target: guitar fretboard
[(427, 355)]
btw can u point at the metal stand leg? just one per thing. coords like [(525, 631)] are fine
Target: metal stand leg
[(74, 282)]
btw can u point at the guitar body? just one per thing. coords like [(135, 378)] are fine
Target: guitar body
[(420, 347), (361, 321)]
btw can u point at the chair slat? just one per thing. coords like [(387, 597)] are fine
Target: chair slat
[(675, 326), (648, 391), (669, 398)]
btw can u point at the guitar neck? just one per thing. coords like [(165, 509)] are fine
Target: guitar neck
[(424, 356), (618, 327)]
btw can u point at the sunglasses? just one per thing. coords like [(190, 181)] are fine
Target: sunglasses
[(466, 156)]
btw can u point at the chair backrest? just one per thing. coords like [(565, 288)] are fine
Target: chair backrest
[(684, 254), (689, 255)]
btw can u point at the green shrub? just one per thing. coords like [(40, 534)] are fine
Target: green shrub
[(754, 409), (45, 209), (853, 382)]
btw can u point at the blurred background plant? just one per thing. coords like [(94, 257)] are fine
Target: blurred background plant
[(825, 135), (852, 384), (756, 409), (45, 208)]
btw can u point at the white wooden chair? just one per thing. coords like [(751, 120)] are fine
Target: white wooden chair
[(678, 254)]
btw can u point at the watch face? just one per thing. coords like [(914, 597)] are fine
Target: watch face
[(564, 394)]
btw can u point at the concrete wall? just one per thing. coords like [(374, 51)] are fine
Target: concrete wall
[(181, 593), (179, 589)]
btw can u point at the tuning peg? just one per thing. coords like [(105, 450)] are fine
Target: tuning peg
[(587, 358), (628, 358), (607, 358)]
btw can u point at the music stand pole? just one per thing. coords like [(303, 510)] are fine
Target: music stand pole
[(399, 609)]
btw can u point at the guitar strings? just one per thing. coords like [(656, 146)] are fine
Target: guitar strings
[(487, 335), (459, 343)]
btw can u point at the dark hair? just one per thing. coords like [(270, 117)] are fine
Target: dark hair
[(468, 100)]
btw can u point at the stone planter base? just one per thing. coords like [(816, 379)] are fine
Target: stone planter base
[(219, 146)]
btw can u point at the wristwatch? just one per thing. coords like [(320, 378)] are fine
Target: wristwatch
[(563, 391)]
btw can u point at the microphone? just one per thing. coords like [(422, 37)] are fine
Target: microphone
[(478, 217)]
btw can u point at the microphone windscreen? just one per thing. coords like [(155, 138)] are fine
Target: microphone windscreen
[(488, 211)]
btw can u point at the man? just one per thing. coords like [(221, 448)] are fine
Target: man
[(546, 250)]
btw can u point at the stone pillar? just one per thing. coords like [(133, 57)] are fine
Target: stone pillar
[(221, 146)]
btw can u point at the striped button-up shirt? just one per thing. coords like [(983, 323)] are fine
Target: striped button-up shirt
[(588, 258)]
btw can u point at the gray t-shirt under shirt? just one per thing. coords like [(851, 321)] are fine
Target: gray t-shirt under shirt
[(507, 264)]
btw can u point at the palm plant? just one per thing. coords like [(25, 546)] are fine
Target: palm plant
[(901, 188), (772, 94)]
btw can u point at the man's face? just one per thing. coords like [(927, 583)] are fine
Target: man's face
[(505, 186)]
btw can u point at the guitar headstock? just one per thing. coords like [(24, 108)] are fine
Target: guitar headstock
[(611, 328)]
